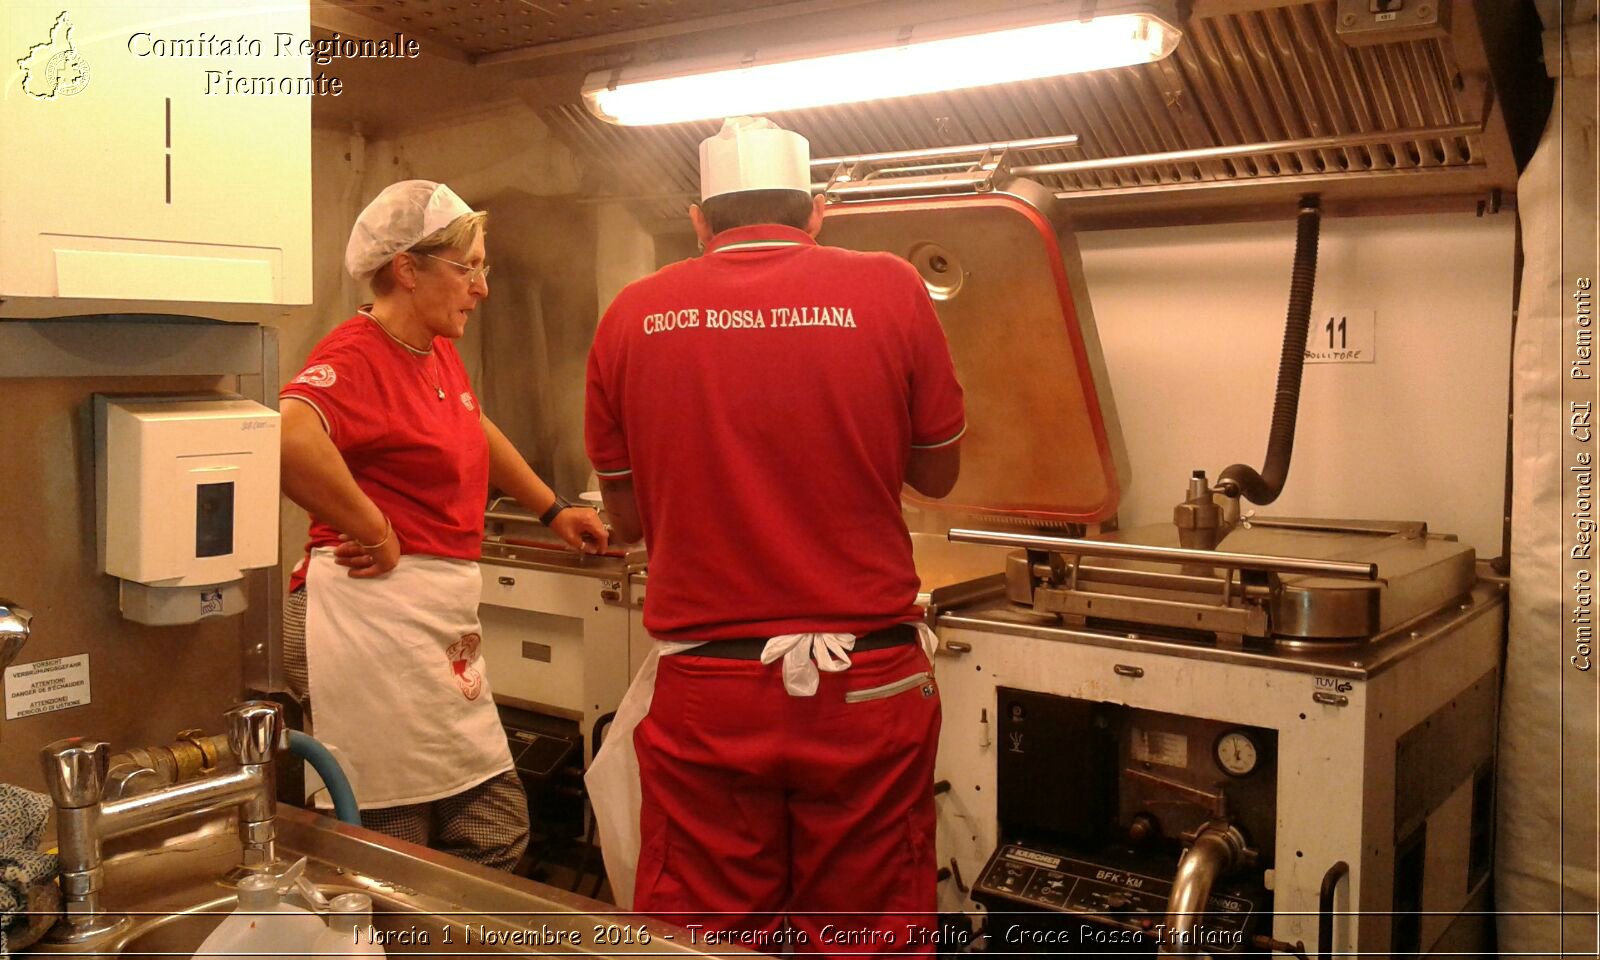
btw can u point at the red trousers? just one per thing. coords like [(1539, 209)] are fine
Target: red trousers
[(760, 807)]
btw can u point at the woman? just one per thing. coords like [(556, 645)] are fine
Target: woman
[(385, 447)]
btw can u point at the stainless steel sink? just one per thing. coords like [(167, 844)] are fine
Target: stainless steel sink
[(177, 891), (399, 929)]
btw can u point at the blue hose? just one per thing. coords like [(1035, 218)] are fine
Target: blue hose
[(311, 750)]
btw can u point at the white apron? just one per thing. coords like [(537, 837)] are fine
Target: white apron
[(396, 680), (613, 777)]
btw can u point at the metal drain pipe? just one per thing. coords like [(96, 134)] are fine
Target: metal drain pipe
[(1218, 849)]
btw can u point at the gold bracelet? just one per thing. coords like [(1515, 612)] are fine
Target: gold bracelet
[(388, 531)]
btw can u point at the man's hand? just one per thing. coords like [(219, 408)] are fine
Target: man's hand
[(368, 562), (581, 528)]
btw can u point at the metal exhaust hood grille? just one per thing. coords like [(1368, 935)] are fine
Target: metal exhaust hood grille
[(1393, 122)]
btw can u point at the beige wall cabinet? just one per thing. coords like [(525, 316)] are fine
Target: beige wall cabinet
[(134, 170)]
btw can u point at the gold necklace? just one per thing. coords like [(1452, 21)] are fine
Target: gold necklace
[(436, 383)]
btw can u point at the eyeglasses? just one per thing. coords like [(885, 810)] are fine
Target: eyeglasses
[(473, 273)]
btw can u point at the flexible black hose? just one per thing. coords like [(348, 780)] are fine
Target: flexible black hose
[(1265, 486)]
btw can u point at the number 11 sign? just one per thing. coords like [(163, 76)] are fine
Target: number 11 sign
[(1346, 336)]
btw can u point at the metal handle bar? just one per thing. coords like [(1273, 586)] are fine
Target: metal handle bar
[(1178, 555), (963, 150)]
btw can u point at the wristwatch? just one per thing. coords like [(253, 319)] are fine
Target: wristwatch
[(549, 515)]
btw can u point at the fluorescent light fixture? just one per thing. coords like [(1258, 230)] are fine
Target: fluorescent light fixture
[(952, 55)]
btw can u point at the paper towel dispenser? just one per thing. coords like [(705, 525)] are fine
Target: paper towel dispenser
[(187, 501)]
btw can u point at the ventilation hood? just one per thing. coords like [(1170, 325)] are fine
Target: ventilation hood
[(1263, 100)]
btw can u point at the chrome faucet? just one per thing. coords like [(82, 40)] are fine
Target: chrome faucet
[(75, 773), (14, 631)]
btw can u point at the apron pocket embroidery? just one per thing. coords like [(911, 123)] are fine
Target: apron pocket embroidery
[(884, 691), (462, 655)]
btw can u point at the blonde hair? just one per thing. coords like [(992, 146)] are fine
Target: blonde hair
[(458, 234)]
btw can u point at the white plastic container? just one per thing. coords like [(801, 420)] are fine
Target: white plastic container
[(349, 931), (186, 501), (262, 926)]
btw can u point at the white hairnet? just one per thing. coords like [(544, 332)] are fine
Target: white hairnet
[(753, 153), (402, 214)]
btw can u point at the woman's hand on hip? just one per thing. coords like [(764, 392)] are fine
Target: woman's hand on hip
[(581, 529), (365, 561)]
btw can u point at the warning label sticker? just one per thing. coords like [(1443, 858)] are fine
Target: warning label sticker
[(1156, 746), (44, 686)]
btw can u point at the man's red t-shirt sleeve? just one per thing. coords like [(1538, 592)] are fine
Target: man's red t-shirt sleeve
[(938, 415), (603, 437)]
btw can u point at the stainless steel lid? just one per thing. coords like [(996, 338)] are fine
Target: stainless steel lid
[(1042, 441), (1292, 580)]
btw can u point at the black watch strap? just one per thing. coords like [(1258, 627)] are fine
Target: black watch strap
[(549, 515)]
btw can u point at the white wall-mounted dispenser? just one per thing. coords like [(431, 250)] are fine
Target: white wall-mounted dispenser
[(187, 501)]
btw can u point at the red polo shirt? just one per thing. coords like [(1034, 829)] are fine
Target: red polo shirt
[(409, 429), (765, 398)]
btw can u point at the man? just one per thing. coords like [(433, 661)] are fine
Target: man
[(753, 413)]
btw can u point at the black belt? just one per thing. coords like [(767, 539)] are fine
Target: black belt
[(749, 648)]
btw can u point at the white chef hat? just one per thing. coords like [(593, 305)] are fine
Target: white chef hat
[(396, 219), (753, 153)]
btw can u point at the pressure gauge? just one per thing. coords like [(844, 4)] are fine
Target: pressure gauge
[(1236, 753)]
